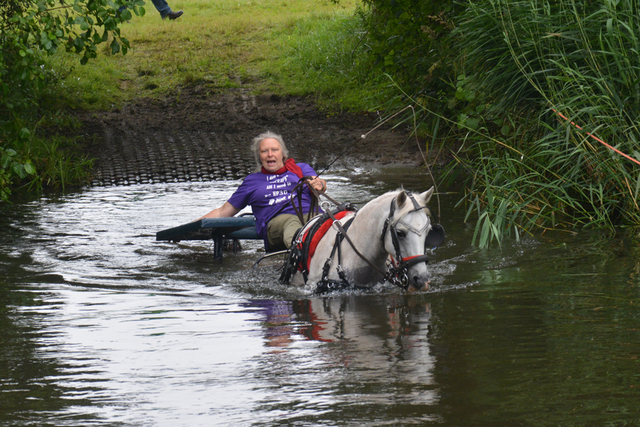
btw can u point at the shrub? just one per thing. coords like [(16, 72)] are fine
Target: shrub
[(30, 29)]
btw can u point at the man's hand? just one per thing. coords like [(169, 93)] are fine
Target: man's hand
[(320, 185)]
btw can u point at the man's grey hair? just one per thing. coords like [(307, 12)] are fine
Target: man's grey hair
[(265, 135)]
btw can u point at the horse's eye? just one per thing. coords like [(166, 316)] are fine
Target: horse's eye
[(401, 234)]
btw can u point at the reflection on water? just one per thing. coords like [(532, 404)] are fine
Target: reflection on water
[(369, 352), (102, 325)]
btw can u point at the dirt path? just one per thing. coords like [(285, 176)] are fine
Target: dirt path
[(197, 136)]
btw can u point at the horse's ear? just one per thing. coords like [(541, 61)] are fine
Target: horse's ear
[(426, 196), (401, 198)]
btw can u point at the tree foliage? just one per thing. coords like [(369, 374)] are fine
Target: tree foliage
[(409, 40), (413, 43), (29, 30)]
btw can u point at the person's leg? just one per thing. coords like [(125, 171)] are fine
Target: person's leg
[(165, 10), (162, 6), (281, 231)]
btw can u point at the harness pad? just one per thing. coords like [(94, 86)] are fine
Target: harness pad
[(306, 242), (308, 250)]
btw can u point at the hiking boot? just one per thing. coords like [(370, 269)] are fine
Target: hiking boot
[(174, 15)]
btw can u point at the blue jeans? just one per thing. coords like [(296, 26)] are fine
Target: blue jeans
[(161, 5)]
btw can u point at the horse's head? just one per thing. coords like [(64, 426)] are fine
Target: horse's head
[(408, 231)]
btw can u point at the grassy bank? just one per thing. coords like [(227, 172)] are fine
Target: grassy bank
[(297, 47), (489, 76), (223, 44)]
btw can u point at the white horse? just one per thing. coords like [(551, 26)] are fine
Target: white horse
[(393, 227)]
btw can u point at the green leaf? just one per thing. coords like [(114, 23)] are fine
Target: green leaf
[(18, 169), (115, 47), (23, 134), (29, 168), (125, 15), (473, 123), (470, 96)]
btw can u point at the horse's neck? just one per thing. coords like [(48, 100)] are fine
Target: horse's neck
[(366, 230)]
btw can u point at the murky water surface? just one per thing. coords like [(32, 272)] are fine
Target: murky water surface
[(103, 326)]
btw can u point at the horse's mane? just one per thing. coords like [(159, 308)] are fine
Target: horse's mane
[(406, 207)]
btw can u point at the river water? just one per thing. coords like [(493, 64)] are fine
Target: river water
[(104, 326)]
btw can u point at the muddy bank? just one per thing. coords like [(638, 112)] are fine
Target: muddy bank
[(197, 135)]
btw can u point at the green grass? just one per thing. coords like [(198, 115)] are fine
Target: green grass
[(298, 47), (222, 44), (326, 57)]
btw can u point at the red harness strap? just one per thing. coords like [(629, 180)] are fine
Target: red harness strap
[(315, 238), (409, 258)]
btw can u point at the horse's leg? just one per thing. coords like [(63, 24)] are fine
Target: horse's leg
[(297, 279)]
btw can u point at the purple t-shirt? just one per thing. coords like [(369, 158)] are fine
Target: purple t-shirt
[(266, 194)]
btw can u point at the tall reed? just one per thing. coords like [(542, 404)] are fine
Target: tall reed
[(534, 62)]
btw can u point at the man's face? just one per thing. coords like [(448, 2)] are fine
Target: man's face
[(271, 155)]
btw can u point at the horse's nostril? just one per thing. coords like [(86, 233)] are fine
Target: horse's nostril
[(420, 284)]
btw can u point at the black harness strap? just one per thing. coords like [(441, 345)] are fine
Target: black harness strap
[(296, 192), (314, 208), (353, 246), (326, 285), (340, 235)]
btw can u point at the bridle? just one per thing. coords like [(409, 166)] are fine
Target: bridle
[(398, 267)]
